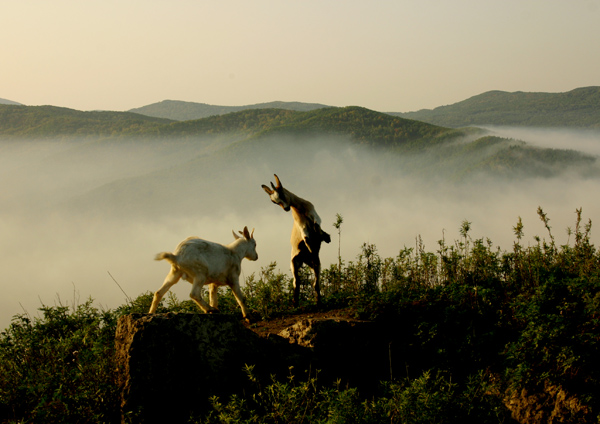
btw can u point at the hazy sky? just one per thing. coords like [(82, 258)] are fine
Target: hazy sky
[(384, 55)]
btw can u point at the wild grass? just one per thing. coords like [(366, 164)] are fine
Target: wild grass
[(473, 325)]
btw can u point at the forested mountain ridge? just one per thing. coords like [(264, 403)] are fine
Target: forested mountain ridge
[(362, 125), (52, 121), (185, 111), (575, 108)]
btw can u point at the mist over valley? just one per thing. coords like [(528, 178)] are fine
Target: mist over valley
[(75, 208)]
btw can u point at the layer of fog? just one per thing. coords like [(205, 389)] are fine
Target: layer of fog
[(582, 140), (55, 250)]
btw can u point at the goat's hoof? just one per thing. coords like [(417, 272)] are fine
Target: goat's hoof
[(214, 311), (252, 317)]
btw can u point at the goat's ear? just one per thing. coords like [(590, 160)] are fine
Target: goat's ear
[(267, 189), (246, 233), (235, 235), (277, 180)]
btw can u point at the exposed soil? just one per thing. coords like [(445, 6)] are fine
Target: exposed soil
[(275, 325)]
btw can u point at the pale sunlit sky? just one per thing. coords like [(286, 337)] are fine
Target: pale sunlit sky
[(384, 55)]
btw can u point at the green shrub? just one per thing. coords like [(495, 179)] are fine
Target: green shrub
[(469, 323), (426, 399), (59, 368)]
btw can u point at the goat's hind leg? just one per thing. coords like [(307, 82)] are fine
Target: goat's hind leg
[(317, 283), (239, 296), (213, 299), (296, 265), (171, 279), (196, 295)]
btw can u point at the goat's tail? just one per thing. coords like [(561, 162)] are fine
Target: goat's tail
[(169, 257)]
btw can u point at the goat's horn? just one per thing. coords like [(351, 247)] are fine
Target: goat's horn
[(252, 233), (235, 235), (277, 179)]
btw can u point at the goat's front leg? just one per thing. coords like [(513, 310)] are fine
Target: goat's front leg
[(307, 239), (196, 295), (171, 279), (322, 234)]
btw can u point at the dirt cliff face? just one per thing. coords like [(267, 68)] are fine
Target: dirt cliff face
[(170, 364)]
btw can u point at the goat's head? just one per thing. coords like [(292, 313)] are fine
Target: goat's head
[(278, 194), (251, 243)]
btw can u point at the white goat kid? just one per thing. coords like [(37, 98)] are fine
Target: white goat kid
[(307, 234), (202, 263)]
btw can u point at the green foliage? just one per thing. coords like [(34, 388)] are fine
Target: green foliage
[(55, 122), (362, 125), (469, 324), (426, 399), (59, 368), (246, 123), (576, 108), (270, 295), (472, 322)]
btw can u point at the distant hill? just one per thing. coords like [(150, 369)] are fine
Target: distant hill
[(184, 111), (576, 108), (52, 121), (361, 125), (8, 102), (285, 139)]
